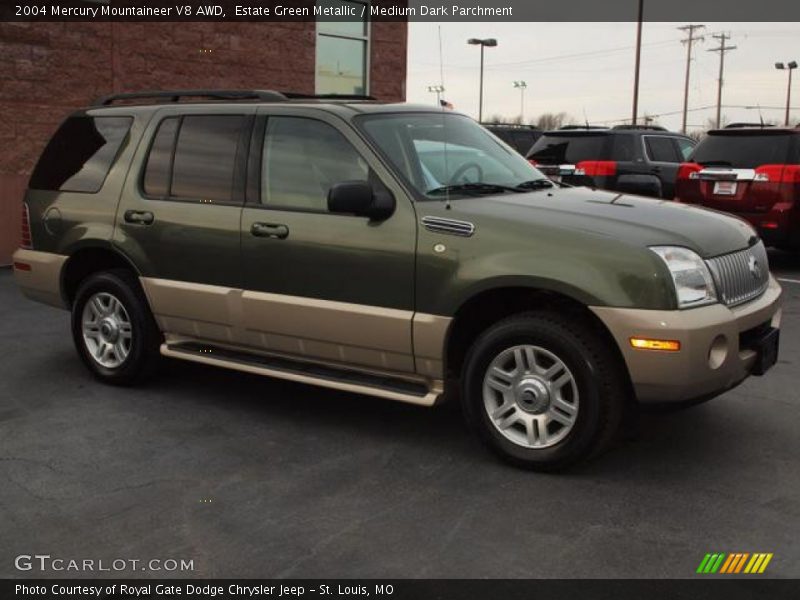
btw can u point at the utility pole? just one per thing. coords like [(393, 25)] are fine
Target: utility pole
[(638, 64), (689, 41), (521, 86), (722, 37)]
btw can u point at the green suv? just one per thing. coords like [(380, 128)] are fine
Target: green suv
[(395, 251)]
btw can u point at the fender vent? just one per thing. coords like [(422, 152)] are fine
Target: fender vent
[(448, 226)]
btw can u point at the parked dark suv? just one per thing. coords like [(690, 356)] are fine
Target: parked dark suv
[(640, 160), (389, 250), (519, 137), (752, 172)]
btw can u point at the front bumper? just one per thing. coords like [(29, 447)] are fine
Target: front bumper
[(711, 359)]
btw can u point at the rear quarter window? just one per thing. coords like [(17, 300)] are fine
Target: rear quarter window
[(80, 154)]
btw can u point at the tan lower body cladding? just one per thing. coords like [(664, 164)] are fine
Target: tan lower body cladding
[(382, 340)]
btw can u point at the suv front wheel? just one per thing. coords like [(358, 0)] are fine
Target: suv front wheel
[(543, 391), (113, 330)]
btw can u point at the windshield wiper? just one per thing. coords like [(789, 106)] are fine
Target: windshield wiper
[(475, 189), (536, 184)]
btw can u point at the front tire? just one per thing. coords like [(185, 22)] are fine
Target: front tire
[(113, 330), (543, 391)]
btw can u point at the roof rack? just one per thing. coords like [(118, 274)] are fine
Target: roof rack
[(641, 127), (225, 95), (576, 127), (176, 95), (356, 97), (741, 125)]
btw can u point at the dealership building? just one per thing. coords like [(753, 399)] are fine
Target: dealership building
[(49, 69)]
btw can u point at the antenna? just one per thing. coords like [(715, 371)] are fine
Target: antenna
[(447, 205), (585, 118), (760, 116)]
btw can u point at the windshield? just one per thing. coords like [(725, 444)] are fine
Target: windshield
[(746, 151), (569, 149), (448, 153)]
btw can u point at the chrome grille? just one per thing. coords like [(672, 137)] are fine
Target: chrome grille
[(451, 226), (741, 276)]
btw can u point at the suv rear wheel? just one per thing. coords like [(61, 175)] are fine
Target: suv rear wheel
[(543, 391), (113, 330)]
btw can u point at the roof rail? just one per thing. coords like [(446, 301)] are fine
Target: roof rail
[(577, 127), (176, 95), (301, 96), (510, 125), (742, 125), (641, 127)]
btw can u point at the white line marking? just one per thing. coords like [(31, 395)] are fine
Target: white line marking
[(788, 280)]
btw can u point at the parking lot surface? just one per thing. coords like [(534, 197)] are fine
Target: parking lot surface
[(253, 477)]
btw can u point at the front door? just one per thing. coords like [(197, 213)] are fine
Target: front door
[(328, 287)]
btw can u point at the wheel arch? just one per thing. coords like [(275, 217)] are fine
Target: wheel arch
[(483, 309), (87, 259)]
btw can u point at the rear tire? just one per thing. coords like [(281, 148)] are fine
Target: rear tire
[(113, 329), (544, 391)]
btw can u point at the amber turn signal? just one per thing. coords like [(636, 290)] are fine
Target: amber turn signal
[(648, 344)]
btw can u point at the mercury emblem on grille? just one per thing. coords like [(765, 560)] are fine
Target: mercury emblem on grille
[(755, 268)]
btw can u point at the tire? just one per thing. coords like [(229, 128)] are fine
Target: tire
[(113, 329), (565, 403)]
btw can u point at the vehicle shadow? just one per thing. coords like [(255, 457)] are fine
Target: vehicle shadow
[(679, 444)]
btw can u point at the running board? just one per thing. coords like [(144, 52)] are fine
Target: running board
[(312, 374)]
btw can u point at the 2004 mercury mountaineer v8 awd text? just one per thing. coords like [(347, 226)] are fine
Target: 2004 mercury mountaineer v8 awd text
[(396, 251)]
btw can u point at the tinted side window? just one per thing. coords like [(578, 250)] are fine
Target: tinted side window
[(159, 161), (205, 155), (623, 148), (81, 153), (685, 148), (303, 158), (660, 149)]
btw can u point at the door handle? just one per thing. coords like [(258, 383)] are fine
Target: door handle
[(139, 217), (655, 170), (270, 230)]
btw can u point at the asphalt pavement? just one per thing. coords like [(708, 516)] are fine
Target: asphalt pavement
[(252, 477)]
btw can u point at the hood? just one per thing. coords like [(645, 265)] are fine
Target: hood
[(629, 219)]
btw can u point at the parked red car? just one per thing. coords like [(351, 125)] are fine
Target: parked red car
[(751, 172)]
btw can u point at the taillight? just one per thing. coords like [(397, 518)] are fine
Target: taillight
[(596, 168), (533, 162), (778, 173), (26, 239), (689, 171)]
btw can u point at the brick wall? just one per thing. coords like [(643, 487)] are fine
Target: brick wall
[(49, 69)]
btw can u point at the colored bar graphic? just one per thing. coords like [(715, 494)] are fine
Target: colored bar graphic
[(734, 563), (765, 563), (727, 564)]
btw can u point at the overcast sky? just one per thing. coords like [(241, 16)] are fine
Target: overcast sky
[(587, 69)]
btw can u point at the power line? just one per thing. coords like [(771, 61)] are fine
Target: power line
[(689, 41), (722, 49)]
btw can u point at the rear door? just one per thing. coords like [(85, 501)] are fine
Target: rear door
[(178, 219), (327, 287), (664, 158)]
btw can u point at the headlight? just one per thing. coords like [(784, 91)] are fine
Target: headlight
[(694, 285)]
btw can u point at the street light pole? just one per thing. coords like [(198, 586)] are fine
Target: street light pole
[(790, 67), (521, 86), (437, 89), (638, 64), (491, 43)]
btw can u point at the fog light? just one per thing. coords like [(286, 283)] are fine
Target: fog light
[(649, 344), (718, 352)]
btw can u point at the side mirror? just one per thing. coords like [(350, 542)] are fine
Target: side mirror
[(358, 198)]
